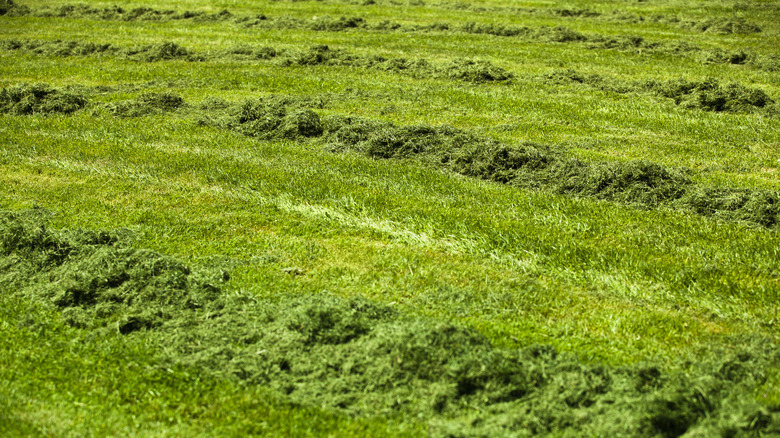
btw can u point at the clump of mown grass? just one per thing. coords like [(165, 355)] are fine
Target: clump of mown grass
[(475, 71), (593, 80), (710, 95), (558, 34), (337, 24), (246, 52), (568, 12), (756, 206), (723, 26), (163, 52), (371, 360), (530, 165), (5, 6), (322, 24), (496, 29), (344, 133), (276, 118), (322, 54), (720, 56), (39, 99), (148, 103), (149, 14), (459, 69)]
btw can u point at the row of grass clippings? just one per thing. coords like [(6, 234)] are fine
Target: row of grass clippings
[(555, 34), (466, 70), (639, 184), (43, 99), (365, 359), (708, 94), (165, 51), (532, 166)]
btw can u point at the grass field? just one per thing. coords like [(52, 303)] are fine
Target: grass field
[(390, 218)]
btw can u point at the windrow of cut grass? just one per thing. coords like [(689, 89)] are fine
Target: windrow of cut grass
[(458, 69), (527, 165), (147, 103), (370, 360), (708, 94), (718, 26), (43, 99), (549, 34), (148, 53)]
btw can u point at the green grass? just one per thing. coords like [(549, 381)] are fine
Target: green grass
[(608, 283)]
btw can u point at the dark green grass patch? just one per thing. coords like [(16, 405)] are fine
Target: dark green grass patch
[(369, 360), (59, 48)]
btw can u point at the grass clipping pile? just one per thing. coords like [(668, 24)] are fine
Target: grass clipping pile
[(39, 99), (366, 359), (166, 51)]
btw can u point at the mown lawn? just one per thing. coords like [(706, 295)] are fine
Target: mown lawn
[(347, 218)]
